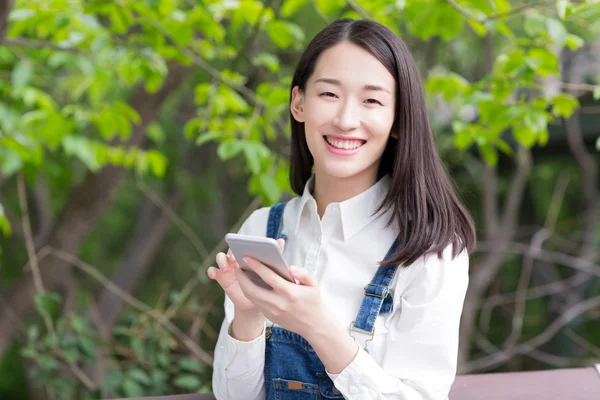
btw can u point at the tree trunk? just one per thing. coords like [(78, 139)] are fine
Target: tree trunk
[(136, 261), (86, 205), (5, 7)]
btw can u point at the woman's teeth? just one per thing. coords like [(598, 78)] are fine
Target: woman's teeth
[(345, 144)]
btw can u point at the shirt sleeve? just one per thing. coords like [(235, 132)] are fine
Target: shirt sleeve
[(238, 368), (421, 346)]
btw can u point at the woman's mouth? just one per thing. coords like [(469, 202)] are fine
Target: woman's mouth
[(343, 146)]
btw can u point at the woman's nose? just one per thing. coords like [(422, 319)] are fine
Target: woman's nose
[(347, 117)]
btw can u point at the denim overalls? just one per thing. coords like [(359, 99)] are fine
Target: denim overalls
[(292, 368)]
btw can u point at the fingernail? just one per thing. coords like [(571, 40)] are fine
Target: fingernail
[(247, 260)]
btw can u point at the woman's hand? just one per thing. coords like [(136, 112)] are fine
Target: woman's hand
[(295, 307), (225, 275)]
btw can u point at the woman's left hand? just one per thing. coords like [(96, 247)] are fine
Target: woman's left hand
[(295, 307)]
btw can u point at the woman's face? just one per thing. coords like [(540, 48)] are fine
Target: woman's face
[(348, 111)]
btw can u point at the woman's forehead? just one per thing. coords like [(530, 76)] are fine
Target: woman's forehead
[(351, 66)]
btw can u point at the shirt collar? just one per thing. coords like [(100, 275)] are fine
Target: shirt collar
[(355, 212)]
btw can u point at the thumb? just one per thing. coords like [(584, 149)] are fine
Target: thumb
[(281, 243), (302, 276)]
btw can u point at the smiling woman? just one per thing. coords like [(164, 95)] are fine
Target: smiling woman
[(377, 241)]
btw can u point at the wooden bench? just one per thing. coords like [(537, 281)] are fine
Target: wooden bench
[(559, 384)]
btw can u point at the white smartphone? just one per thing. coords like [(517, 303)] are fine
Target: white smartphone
[(265, 250)]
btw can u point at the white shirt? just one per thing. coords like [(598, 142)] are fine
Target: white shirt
[(413, 354)]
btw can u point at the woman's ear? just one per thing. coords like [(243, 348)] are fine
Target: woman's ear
[(297, 104)]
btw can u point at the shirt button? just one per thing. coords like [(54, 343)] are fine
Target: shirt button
[(353, 389)]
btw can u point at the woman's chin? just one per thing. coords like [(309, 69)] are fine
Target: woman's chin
[(338, 171)]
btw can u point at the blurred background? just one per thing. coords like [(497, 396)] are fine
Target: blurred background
[(135, 133)]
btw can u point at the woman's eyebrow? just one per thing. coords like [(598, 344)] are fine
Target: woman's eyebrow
[(366, 87)]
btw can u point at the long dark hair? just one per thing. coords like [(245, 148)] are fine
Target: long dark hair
[(429, 214)]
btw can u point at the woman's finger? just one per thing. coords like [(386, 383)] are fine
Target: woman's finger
[(264, 272), (212, 272), (221, 260), (281, 243), (302, 276)]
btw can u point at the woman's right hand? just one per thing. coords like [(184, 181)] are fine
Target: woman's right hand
[(225, 276)]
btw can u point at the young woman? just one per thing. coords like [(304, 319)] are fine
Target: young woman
[(377, 239)]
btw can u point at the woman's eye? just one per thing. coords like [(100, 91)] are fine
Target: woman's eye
[(373, 101), (328, 94)]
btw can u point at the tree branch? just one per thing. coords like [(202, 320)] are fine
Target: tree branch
[(191, 285), (520, 9), (496, 359), (39, 44), (567, 260)]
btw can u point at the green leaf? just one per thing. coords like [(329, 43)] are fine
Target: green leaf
[(232, 100), (157, 162), (489, 154), (132, 388), (71, 355), (4, 224), (20, 14), (139, 375), (268, 60), (574, 42), (255, 153), (190, 364), (269, 187), (535, 24), (524, 135), (189, 382), (284, 33), (543, 61), (557, 31), (87, 346), (79, 324), (156, 133), (448, 84), (22, 73), (83, 149), (47, 363), (478, 27), (330, 7), (502, 6), (537, 121), (563, 105), (597, 93), (33, 332), (47, 303), (561, 8), (207, 137), (291, 7), (230, 149)]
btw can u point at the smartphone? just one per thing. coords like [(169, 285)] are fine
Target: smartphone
[(265, 250)]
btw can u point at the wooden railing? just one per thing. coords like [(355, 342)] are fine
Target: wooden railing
[(559, 384)]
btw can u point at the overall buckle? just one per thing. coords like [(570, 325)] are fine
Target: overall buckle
[(370, 339)]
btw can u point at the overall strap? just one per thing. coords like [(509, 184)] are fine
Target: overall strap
[(275, 222), (378, 298)]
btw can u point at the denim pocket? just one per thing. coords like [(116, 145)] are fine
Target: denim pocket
[(327, 388), (293, 390)]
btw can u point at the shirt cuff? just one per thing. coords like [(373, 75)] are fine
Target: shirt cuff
[(242, 358), (355, 381)]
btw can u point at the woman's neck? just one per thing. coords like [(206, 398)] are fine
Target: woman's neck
[(329, 189)]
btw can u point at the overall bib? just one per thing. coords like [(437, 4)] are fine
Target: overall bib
[(292, 368)]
